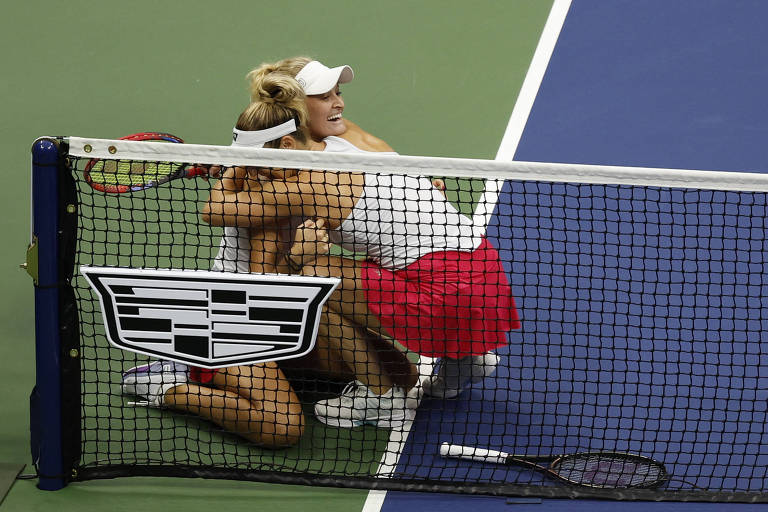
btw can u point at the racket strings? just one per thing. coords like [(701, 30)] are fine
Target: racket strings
[(129, 173), (118, 176), (607, 471)]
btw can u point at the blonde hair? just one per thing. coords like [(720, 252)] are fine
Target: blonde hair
[(279, 98), (290, 67)]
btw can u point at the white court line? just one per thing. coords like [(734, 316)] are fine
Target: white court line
[(397, 439), (523, 106), (507, 149)]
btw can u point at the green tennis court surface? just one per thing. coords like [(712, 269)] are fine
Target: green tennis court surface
[(8, 474), (182, 71)]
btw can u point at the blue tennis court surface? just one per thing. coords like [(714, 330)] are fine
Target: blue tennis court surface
[(643, 309), (655, 83)]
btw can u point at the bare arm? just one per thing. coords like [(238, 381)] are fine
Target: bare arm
[(368, 142), (363, 139), (238, 200), (311, 241)]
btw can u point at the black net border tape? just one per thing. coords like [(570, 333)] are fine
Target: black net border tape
[(372, 483)]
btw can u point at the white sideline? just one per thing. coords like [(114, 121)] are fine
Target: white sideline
[(509, 142), (523, 106)]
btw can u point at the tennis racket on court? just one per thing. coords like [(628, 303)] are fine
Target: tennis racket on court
[(597, 470), (121, 176)]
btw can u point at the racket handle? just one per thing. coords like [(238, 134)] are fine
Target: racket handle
[(472, 453)]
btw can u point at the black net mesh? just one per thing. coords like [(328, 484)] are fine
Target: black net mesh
[(642, 315)]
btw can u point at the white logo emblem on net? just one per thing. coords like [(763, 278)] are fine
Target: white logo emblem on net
[(209, 319)]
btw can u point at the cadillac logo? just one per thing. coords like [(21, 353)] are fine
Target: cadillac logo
[(210, 319)]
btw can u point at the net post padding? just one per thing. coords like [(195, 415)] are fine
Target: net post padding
[(55, 399)]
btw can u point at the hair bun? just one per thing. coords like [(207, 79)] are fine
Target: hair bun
[(276, 88), (288, 67)]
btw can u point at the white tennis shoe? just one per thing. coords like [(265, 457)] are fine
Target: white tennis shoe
[(151, 381), (454, 375), (358, 405)]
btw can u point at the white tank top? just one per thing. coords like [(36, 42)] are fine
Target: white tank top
[(235, 247), (234, 251), (400, 218)]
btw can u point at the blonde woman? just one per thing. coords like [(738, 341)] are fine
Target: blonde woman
[(438, 288), (258, 401), (325, 105)]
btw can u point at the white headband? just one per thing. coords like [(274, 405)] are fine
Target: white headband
[(257, 138)]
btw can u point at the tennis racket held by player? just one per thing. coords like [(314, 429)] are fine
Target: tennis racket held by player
[(121, 176)]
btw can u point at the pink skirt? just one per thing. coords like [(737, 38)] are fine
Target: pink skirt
[(447, 303)]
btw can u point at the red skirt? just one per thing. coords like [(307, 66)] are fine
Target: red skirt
[(447, 303)]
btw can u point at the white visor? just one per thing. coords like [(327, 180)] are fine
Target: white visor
[(257, 138), (316, 78)]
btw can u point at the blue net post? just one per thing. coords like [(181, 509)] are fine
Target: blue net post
[(45, 403)]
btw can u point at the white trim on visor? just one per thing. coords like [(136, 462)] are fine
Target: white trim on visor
[(257, 138)]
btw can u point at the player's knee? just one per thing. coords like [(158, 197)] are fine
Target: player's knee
[(282, 438), (285, 432), (291, 436), (285, 439)]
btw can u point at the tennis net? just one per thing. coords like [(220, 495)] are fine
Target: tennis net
[(641, 297)]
